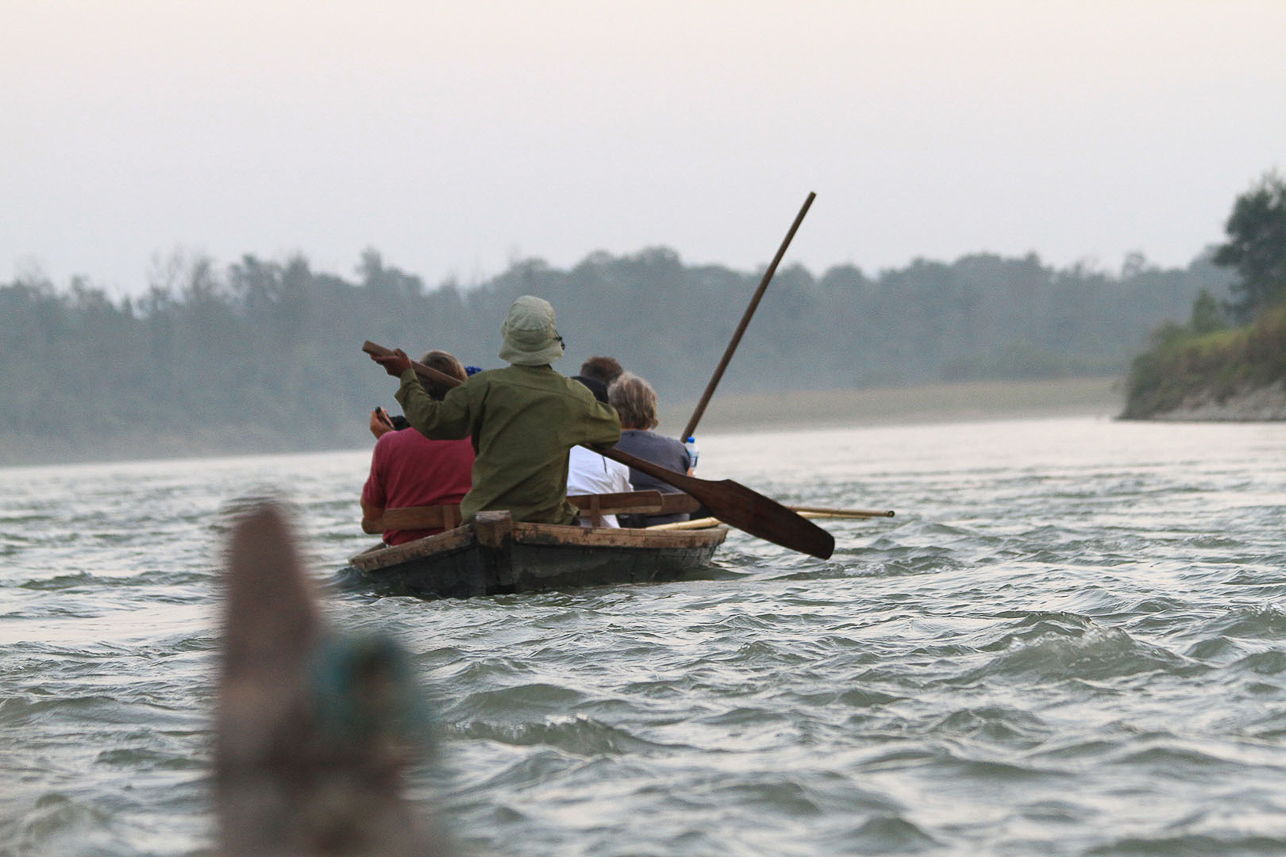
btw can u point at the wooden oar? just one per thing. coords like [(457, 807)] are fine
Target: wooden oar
[(691, 427), (804, 512), (823, 511), (738, 506), (731, 502)]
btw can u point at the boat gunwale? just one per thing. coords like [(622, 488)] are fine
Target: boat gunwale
[(382, 556)]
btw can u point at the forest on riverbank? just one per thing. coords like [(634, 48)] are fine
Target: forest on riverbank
[(263, 355)]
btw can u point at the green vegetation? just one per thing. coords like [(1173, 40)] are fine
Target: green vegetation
[(1256, 247), (1185, 365), (1205, 360), (264, 355)]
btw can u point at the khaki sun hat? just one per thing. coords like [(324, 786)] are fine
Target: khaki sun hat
[(530, 337)]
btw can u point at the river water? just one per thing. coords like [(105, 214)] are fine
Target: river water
[(1070, 640)]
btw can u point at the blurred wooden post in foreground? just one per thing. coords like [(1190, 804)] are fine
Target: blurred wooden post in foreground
[(314, 730)]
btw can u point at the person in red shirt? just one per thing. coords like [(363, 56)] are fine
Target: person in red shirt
[(408, 469)]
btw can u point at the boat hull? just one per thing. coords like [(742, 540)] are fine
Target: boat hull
[(493, 556)]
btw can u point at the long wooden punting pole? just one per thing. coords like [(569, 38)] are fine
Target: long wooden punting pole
[(732, 502), (691, 427)]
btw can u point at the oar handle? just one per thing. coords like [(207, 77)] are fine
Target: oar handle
[(426, 372)]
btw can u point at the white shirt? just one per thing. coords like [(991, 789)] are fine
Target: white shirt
[(590, 473)]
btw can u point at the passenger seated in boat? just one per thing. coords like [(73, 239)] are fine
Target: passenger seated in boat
[(523, 419), (590, 473), (635, 402), (605, 370), (408, 469)]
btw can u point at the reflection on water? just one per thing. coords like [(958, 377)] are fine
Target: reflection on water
[(1071, 639)]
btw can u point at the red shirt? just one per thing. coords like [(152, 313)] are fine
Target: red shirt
[(408, 469)]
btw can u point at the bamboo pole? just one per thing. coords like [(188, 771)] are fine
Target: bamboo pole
[(694, 524), (813, 512), (824, 512)]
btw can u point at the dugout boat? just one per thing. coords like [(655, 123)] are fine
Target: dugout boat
[(494, 555)]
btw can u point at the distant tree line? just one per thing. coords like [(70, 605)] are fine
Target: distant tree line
[(267, 352)]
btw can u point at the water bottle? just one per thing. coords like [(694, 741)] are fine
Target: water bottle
[(691, 446)]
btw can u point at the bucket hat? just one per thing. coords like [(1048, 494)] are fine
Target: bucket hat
[(530, 337)]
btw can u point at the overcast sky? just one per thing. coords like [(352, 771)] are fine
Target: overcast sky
[(456, 136)]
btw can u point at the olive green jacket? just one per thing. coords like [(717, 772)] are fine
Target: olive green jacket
[(523, 421)]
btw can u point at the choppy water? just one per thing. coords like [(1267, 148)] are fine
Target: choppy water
[(1071, 640)]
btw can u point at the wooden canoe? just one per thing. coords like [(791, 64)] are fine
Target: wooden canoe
[(493, 555)]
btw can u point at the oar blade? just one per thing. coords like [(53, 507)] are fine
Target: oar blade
[(740, 507), (737, 505)]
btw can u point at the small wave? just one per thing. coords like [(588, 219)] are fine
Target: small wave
[(908, 562), (1032, 625), (1162, 755), (746, 717), (1215, 651), (59, 824), (532, 769), (1255, 623), (518, 703), (60, 582), (1271, 727), (777, 797), (1079, 750), (1266, 577), (490, 673), (1155, 604), (1095, 655), (994, 771), (864, 697), (997, 725), (1264, 663), (144, 759), (889, 835), (579, 736), (1191, 844)]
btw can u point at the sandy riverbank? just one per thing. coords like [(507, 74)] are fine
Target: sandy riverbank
[(1261, 404), (894, 405)]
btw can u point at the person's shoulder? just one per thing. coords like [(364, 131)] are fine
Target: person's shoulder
[(515, 374), (409, 443), (388, 440), (651, 437), (547, 378), (392, 441), (652, 444), (477, 380)]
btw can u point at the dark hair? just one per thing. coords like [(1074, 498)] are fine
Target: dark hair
[(604, 369), (447, 365), (597, 387)]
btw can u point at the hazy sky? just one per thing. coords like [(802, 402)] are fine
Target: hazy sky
[(456, 136)]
